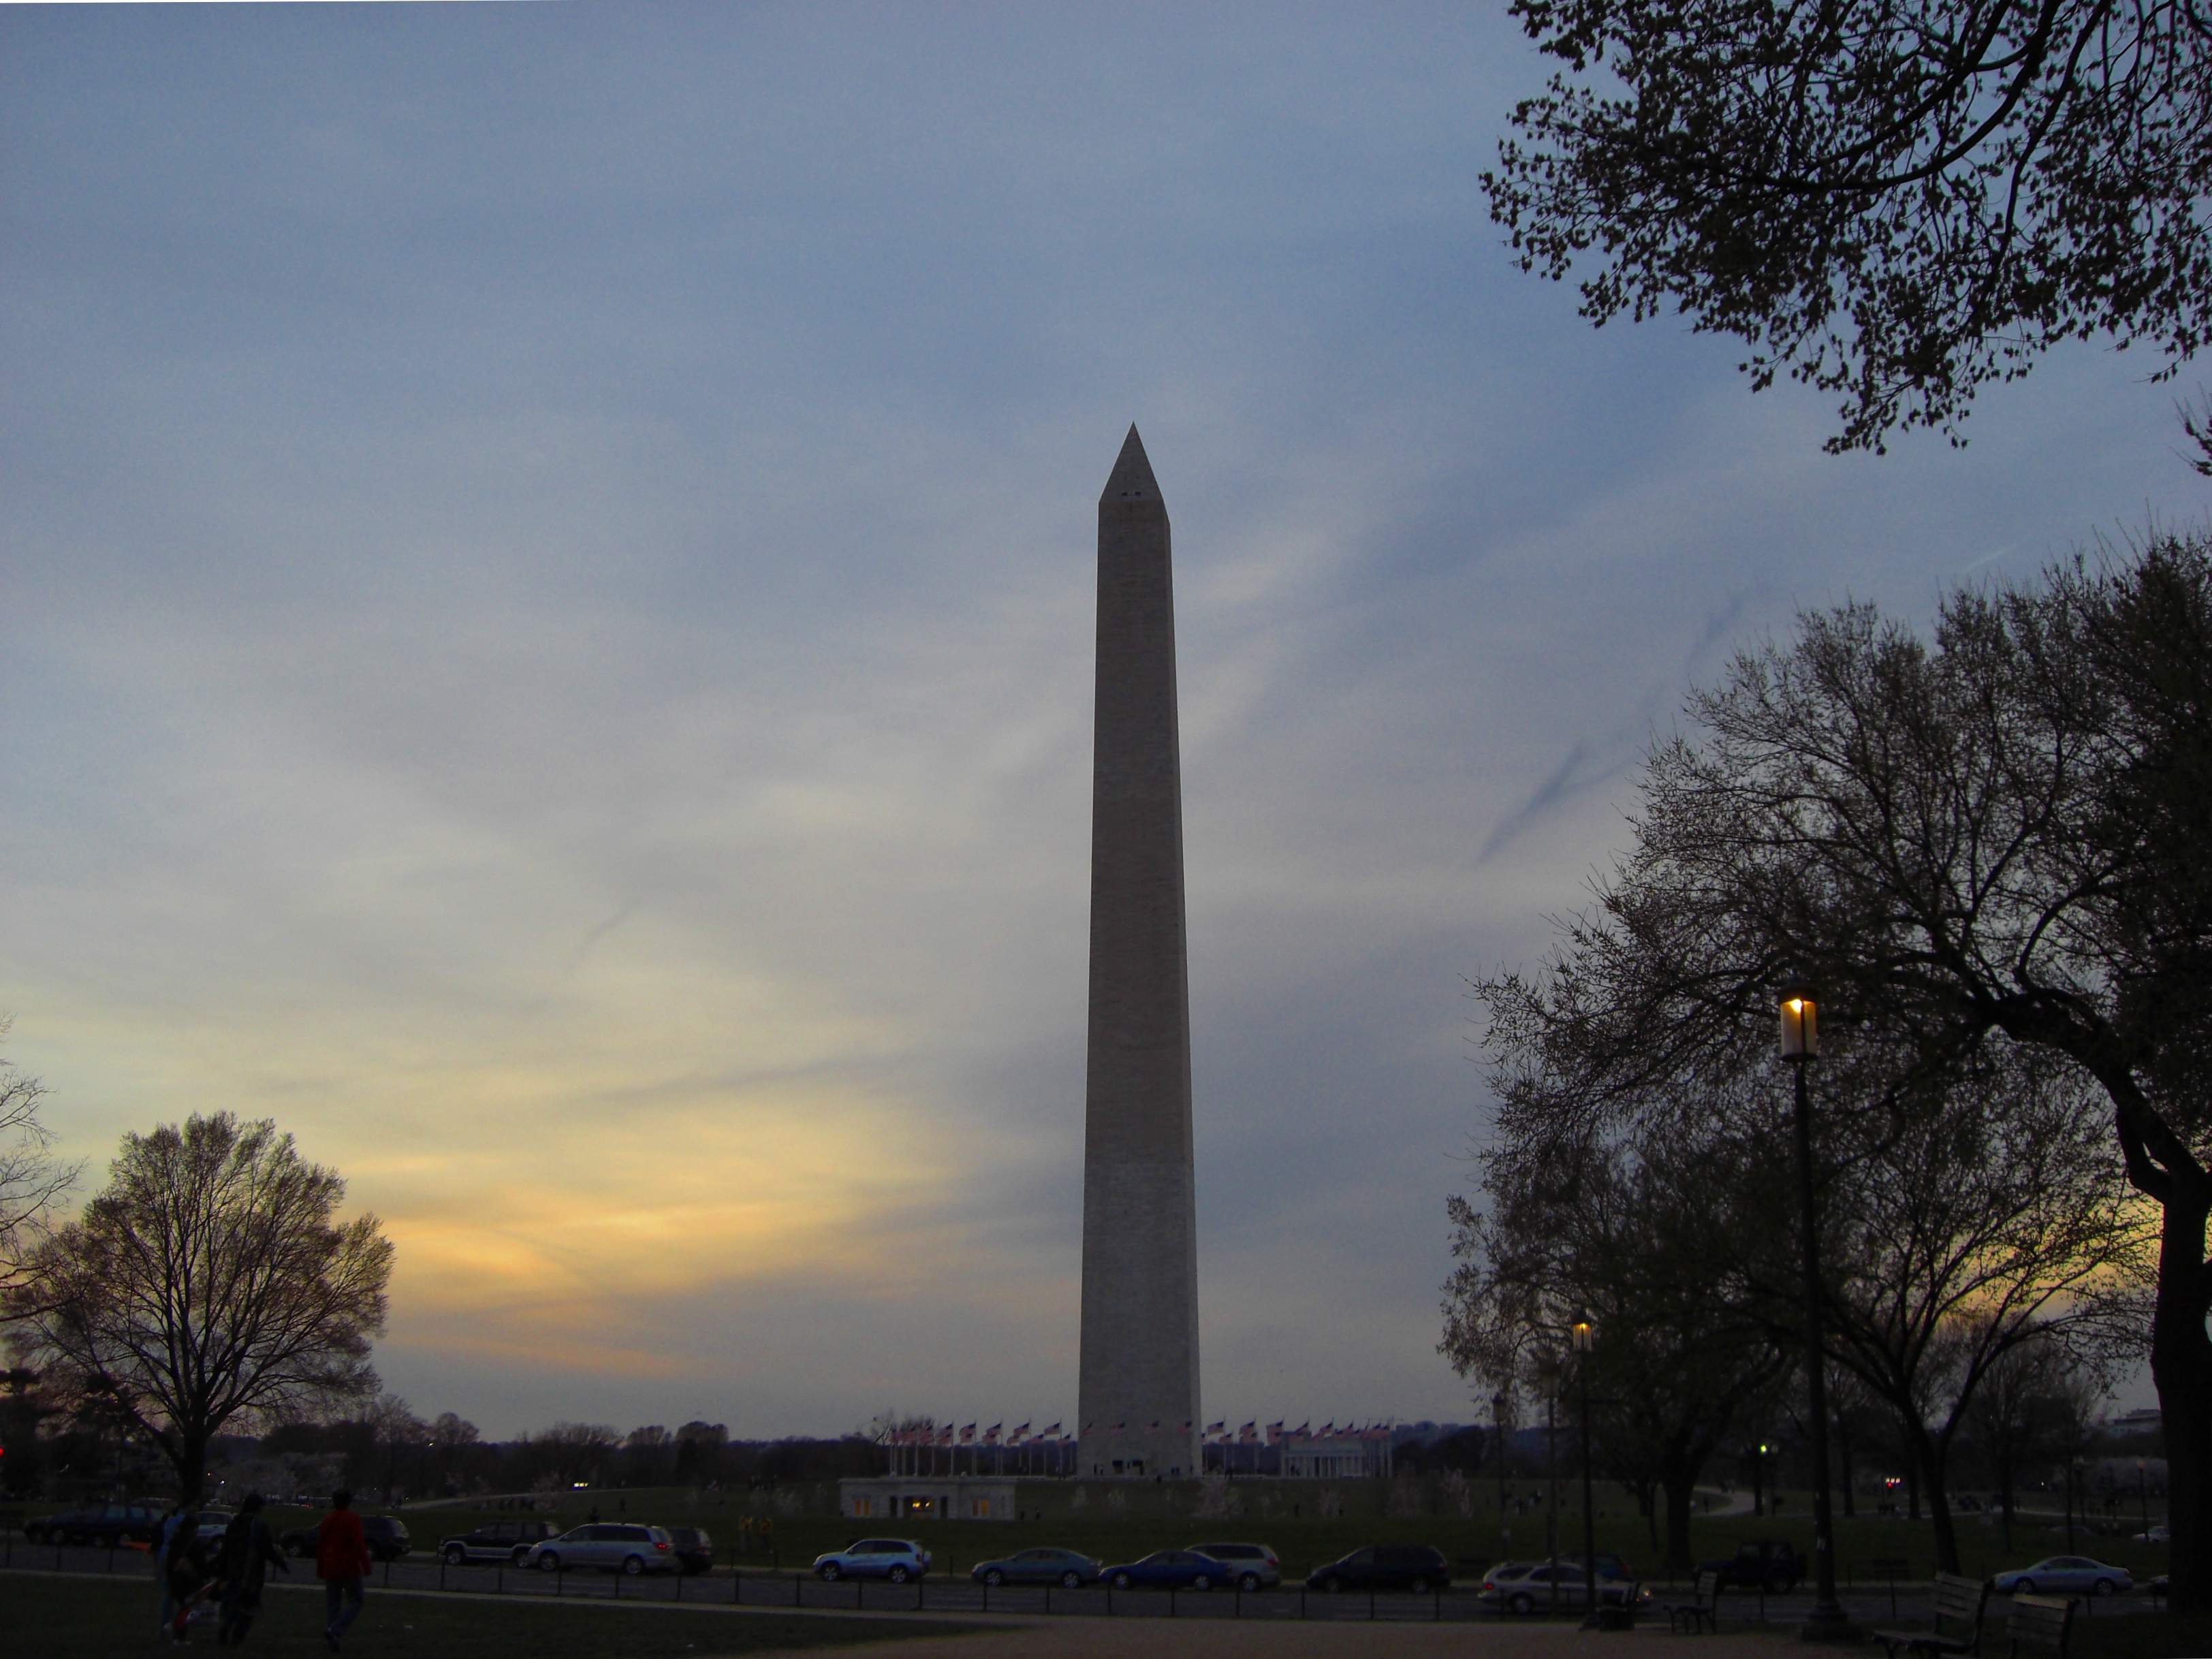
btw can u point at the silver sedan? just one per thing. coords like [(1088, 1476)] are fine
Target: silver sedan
[(2063, 1574)]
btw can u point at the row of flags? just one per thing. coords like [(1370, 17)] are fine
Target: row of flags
[(1250, 1434)]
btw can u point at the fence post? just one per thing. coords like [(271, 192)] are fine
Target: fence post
[(441, 1572), (794, 1590)]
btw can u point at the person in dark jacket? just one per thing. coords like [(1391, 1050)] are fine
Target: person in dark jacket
[(184, 1573), (248, 1552)]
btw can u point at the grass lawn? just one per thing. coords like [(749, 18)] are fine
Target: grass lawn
[(65, 1618)]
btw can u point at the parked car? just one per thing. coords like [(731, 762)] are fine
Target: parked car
[(895, 1559), (2062, 1574), (695, 1551), (210, 1527), (1414, 1567), (2160, 1533), (112, 1525), (1169, 1570), (1043, 1565), (385, 1534), (1772, 1565), (1252, 1566), (1527, 1586), (604, 1546), (495, 1540)]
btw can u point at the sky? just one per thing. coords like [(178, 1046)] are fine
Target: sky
[(545, 607)]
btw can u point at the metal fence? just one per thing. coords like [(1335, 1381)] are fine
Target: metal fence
[(767, 1588)]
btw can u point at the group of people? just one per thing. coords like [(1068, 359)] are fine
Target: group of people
[(234, 1577)]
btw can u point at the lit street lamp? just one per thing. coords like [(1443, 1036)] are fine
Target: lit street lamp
[(1585, 1335), (1800, 1033)]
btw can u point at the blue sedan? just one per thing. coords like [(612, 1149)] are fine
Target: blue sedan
[(1169, 1570), (1039, 1566), (2063, 1574)]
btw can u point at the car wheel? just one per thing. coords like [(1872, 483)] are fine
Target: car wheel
[(994, 1578), (897, 1575), (1201, 1583), (829, 1572), (2105, 1587), (549, 1562), (520, 1557), (1521, 1601), (1781, 1584), (1070, 1581), (1250, 1581), (633, 1565), (1332, 1585), (1419, 1587), (2023, 1587), (1121, 1581)]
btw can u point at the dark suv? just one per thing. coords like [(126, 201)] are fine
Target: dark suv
[(1772, 1565), (110, 1524), (1414, 1567), (496, 1541), (694, 1550)]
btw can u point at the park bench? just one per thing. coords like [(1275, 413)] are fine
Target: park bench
[(1963, 1601), (2039, 1624), (1702, 1610)]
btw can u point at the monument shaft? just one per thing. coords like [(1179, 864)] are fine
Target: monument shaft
[(1139, 1401)]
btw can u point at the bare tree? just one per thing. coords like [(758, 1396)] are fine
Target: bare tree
[(31, 1179), (209, 1282)]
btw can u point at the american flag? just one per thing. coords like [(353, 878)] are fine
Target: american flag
[(1019, 1434), (1248, 1434), (1051, 1429), (1275, 1433), (991, 1434), (1328, 1432), (1214, 1431), (968, 1435)]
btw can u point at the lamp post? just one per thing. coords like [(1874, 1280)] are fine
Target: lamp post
[(1585, 1335), (1799, 1035), (1497, 1427), (1547, 1375)]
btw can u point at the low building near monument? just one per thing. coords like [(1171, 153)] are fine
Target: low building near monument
[(896, 1498), (1335, 1457)]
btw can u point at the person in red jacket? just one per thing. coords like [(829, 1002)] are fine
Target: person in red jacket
[(341, 1562)]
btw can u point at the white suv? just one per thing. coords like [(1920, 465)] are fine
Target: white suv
[(895, 1559)]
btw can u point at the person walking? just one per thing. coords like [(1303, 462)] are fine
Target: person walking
[(248, 1552), (341, 1562), (163, 1541), (183, 1575)]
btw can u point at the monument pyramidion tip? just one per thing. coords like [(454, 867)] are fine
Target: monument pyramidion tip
[(1131, 482)]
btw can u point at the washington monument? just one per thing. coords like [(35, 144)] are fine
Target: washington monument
[(1137, 1400)]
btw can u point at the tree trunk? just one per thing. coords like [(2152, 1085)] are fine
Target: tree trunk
[(1939, 1503), (1681, 1499), (192, 1467), (1844, 1465), (2181, 1366)]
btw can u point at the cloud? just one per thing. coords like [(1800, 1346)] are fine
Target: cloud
[(549, 574)]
